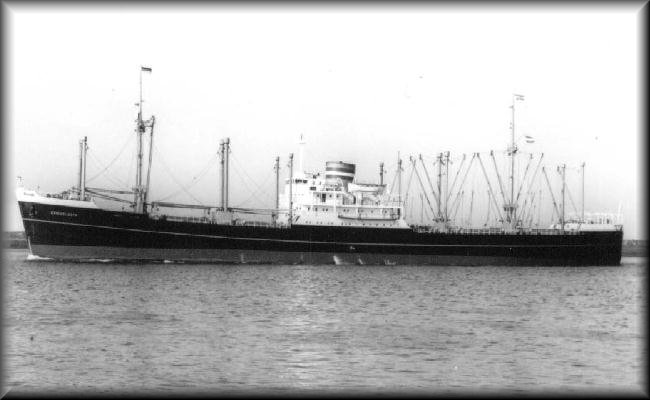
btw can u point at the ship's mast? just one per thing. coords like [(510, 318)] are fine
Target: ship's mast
[(226, 171), (290, 188), (83, 163), (276, 167), (399, 180), (81, 166), (302, 154), (582, 214), (513, 149), (511, 208), (381, 173), (563, 169), (139, 131), (446, 185), (146, 189), (439, 185), (140, 190), (221, 175)]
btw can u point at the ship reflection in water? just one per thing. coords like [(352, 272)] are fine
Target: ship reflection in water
[(188, 328)]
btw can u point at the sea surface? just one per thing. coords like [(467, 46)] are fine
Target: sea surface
[(98, 328)]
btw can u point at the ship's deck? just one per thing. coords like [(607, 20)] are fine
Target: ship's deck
[(416, 228)]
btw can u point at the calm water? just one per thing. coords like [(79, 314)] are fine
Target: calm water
[(186, 328)]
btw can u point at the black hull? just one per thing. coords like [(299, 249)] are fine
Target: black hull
[(63, 232)]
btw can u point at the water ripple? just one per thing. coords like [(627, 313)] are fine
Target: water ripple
[(112, 328)]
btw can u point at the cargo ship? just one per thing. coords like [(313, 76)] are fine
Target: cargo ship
[(326, 217)]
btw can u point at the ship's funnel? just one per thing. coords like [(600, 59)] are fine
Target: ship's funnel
[(335, 170)]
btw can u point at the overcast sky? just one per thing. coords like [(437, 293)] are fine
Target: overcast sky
[(361, 83)]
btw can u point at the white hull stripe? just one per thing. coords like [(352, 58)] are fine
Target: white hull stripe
[(301, 241)]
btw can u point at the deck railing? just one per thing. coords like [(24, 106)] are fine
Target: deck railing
[(495, 231), (207, 220), (417, 228)]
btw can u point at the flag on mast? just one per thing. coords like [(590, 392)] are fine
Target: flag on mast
[(146, 69)]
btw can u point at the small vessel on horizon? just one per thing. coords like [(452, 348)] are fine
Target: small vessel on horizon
[(320, 218)]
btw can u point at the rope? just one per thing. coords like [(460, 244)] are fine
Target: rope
[(132, 165), (195, 180), (173, 177), (245, 173), (255, 193), (114, 180), (112, 161), (242, 180)]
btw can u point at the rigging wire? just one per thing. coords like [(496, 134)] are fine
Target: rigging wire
[(239, 170), (244, 182), (238, 164), (132, 165), (194, 180), (241, 178), (107, 197), (162, 161), (112, 161), (255, 193), (114, 180), (392, 185)]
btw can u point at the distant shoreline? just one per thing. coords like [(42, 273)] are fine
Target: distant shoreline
[(631, 248), (634, 250), (14, 240)]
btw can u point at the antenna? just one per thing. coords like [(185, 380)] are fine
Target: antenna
[(302, 153)]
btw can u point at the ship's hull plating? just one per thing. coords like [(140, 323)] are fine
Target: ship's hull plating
[(75, 233)]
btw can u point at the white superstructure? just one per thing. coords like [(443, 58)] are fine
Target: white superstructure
[(67, 199), (332, 198), (592, 222)]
